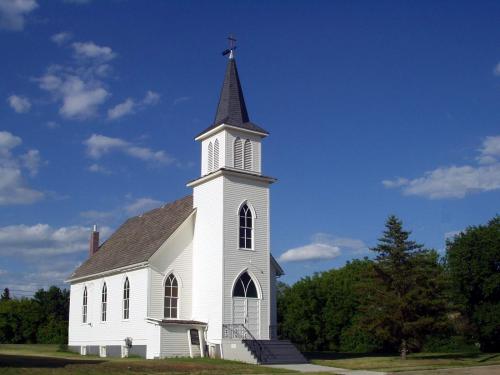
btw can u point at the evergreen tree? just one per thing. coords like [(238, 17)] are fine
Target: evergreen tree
[(405, 291), (5, 295), (473, 260)]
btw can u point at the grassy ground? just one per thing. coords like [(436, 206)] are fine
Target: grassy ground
[(46, 359), (421, 361)]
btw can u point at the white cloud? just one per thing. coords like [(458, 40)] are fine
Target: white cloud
[(151, 98), (44, 240), (13, 189), (122, 109), (130, 106), (80, 99), (496, 69), (323, 247), (20, 104), (97, 168), (181, 99), (14, 12), (31, 161), (456, 181), (61, 38), (99, 145), (142, 205), (490, 150), (90, 50)]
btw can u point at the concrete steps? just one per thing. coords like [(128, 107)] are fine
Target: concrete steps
[(274, 351)]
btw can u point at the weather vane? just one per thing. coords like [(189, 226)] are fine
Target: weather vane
[(232, 46)]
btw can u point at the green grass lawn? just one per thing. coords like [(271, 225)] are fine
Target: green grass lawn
[(46, 359), (421, 361)]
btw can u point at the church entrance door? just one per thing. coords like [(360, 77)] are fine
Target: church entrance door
[(246, 305)]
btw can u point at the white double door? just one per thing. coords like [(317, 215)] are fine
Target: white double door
[(246, 311)]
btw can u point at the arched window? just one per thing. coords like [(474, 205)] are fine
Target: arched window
[(245, 287), (210, 157), (171, 297), (248, 155), (246, 227), (238, 154), (216, 154), (104, 302), (126, 299), (84, 306)]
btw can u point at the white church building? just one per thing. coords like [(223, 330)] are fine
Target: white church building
[(194, 277)]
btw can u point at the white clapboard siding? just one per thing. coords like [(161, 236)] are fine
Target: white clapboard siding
[(115, 329), (208, 256), (174, 341), (256, 194), (174, 256)]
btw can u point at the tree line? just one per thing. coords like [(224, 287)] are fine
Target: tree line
[(42, 319), (406, 299)]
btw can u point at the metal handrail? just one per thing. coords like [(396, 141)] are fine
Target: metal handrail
[(236, 334)]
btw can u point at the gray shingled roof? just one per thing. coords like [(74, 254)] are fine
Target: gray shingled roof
[(232, 109), (138, 238)]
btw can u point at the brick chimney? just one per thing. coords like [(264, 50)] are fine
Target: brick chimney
[(94, 241)]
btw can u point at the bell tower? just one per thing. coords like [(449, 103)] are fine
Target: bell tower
[(232, 280)]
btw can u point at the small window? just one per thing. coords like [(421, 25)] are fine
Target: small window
[(248, 155), (210, 157), (246, 227), (171, 297), (104, 302), (245, 287), (126, 299), (84, 306), (238, 154), (216, 154)]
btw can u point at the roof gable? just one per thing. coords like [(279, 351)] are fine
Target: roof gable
[(137, 239)]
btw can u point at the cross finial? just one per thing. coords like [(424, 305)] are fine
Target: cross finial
[(232, 46)]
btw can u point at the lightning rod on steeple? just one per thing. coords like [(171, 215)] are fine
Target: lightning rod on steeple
[(232, 47)]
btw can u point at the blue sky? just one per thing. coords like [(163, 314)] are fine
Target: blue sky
[(374, 108)]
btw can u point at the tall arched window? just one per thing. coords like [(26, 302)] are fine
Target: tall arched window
[(126, 299), (210, 157), (171, 297), (245, 287), (246, 227), (84, 306), (216, 154), (238, 154), (104, 302), (248, 155)]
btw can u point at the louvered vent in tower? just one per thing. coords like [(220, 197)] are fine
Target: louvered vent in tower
[(248, 155), (210, 157), (216, 154), (238, 154)]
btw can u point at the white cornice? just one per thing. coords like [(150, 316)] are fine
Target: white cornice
[(231, 172), (131, 267), (223, 126)]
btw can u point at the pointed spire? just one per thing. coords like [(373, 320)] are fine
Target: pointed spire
[(231, 109)]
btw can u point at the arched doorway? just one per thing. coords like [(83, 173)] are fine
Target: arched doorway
[(246, 304)]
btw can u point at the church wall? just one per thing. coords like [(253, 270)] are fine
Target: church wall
[(114, 330), (207, 257), (221, 136), (231, 136), (174, 256), (272, 298), (236, 190)]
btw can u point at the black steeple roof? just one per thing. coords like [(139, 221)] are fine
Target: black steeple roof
[(232, 109)]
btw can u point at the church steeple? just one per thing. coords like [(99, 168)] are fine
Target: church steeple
[(232, 110)]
